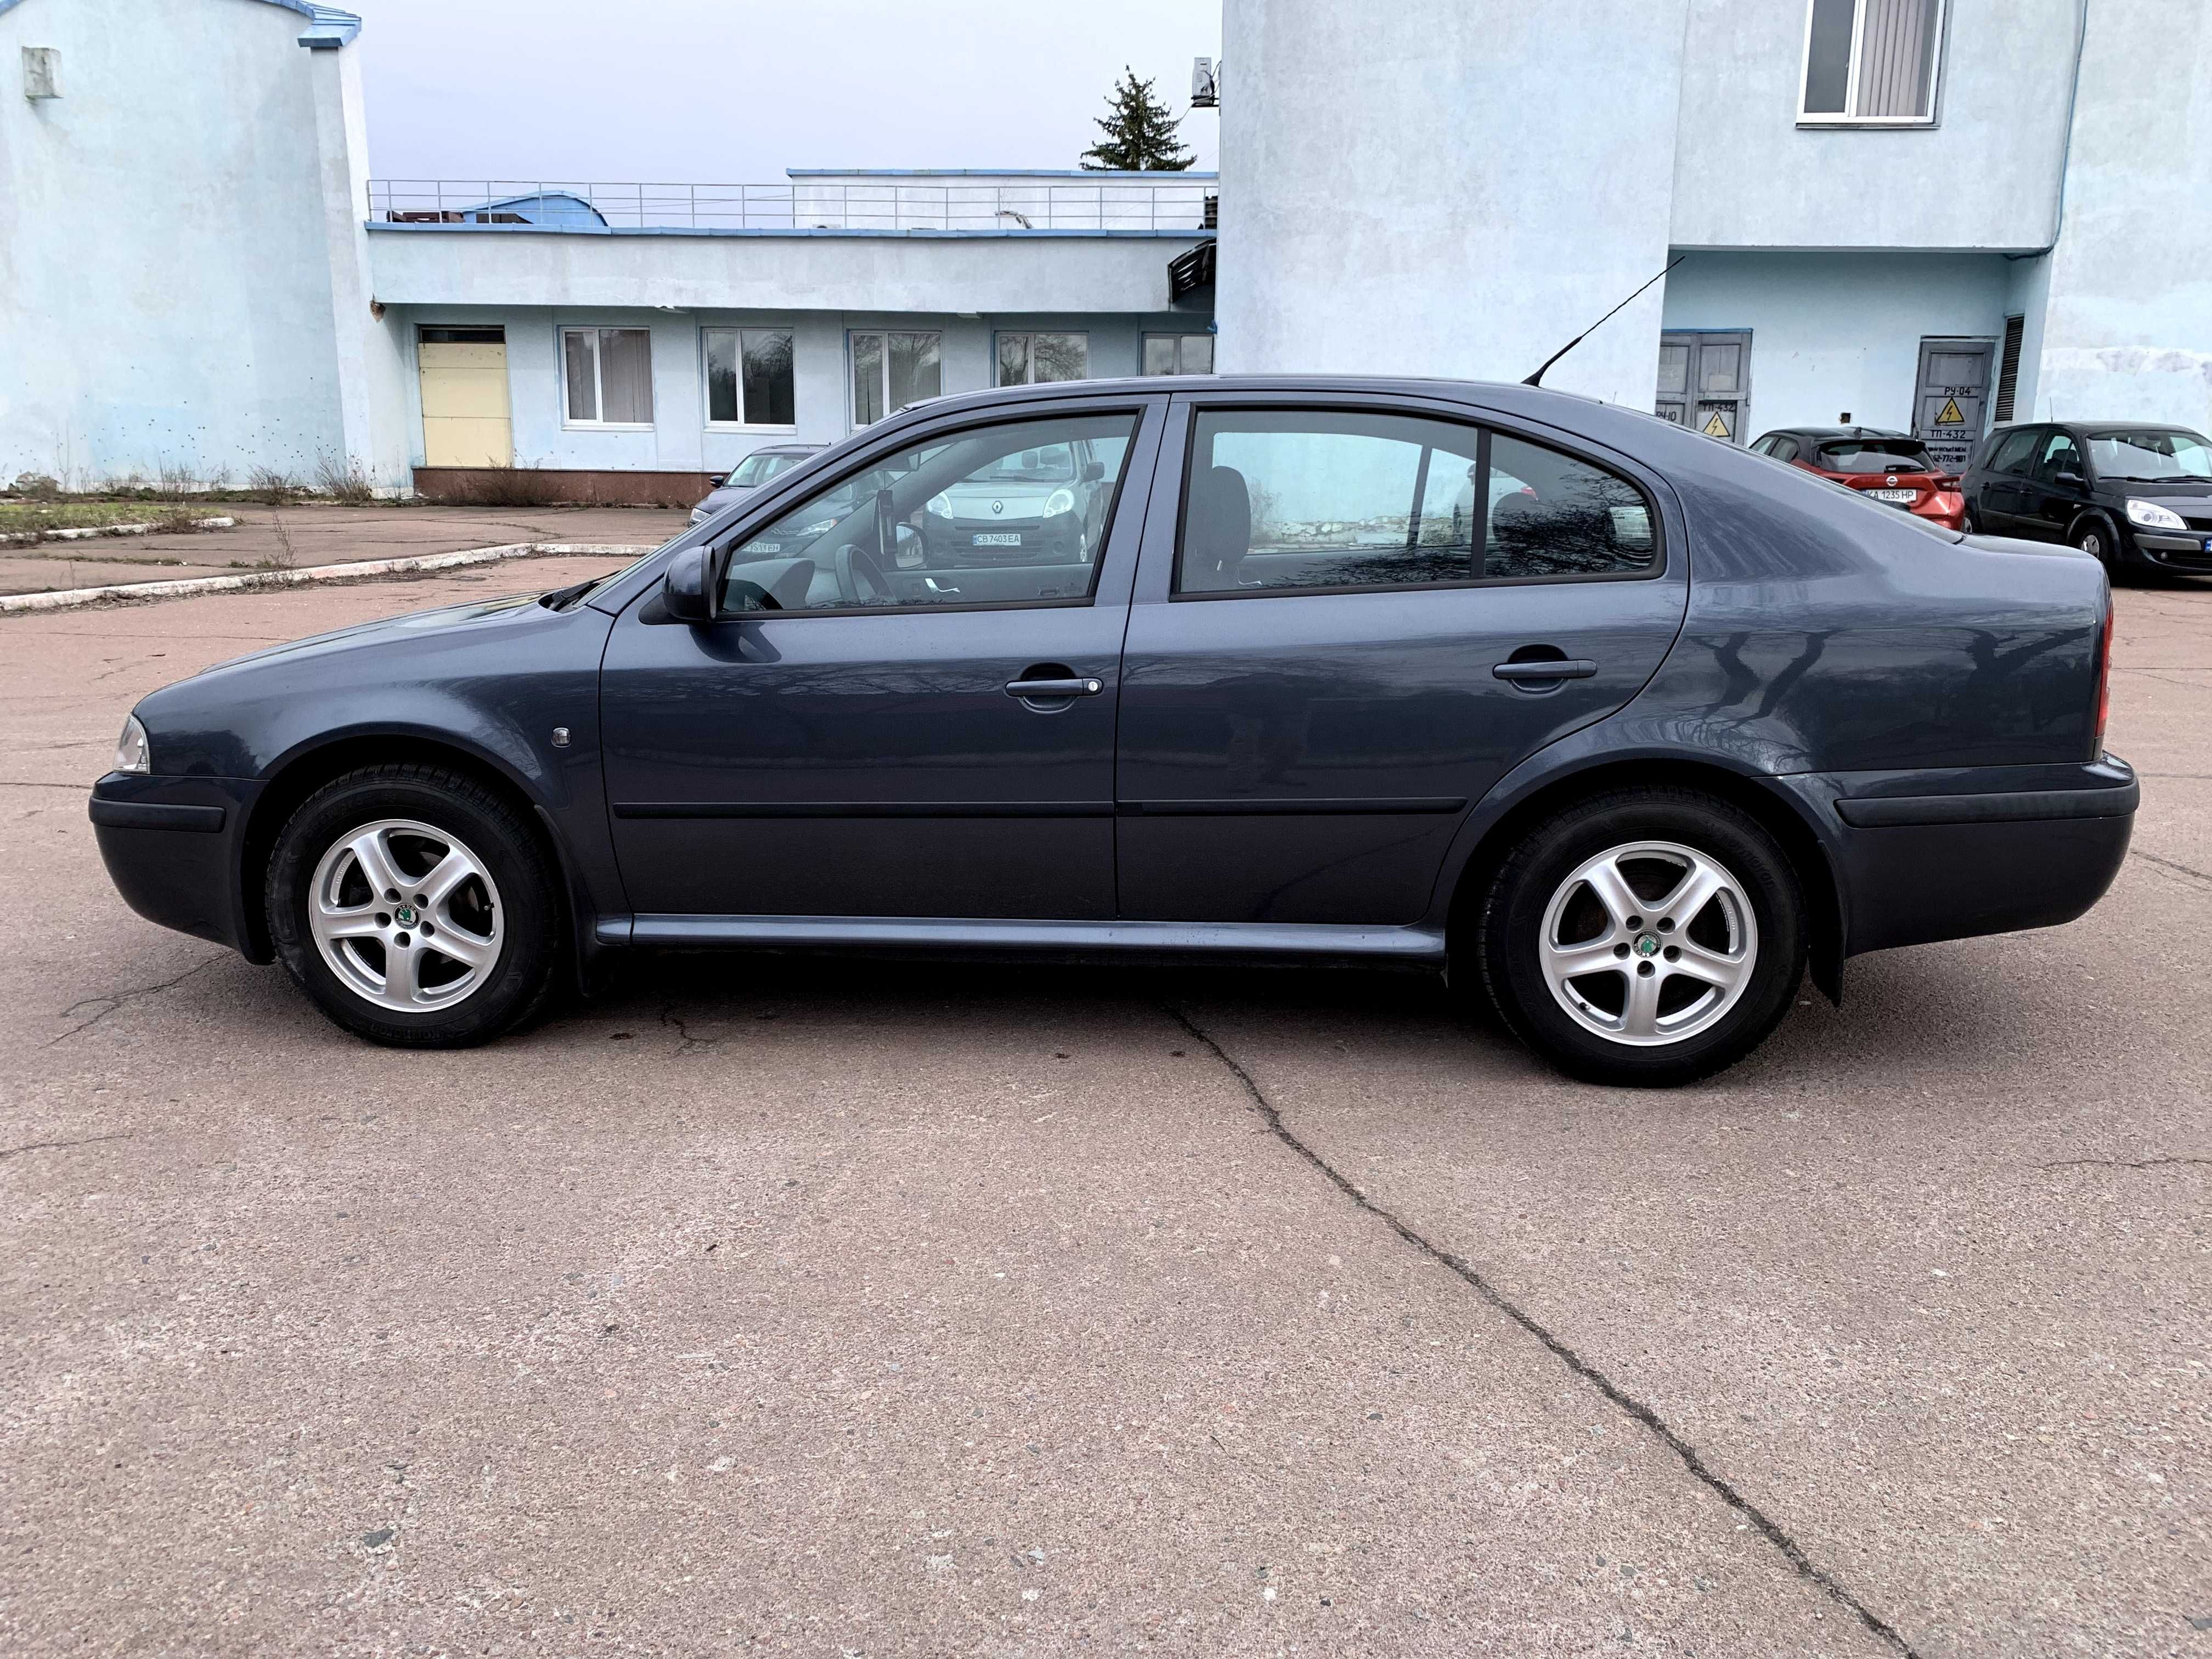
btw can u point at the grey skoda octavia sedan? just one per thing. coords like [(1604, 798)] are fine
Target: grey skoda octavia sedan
[(1623, 729)]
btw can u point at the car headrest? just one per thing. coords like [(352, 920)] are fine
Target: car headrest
[(1219, 533)]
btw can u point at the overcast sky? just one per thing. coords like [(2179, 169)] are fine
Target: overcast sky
[(694, 91)]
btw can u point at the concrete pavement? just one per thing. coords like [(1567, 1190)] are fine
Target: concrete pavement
[(794, 1306), (310, 533)]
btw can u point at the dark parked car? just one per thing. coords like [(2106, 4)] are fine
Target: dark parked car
[(1894, 467), (2134, 496), (1645, 728), (750, 474)]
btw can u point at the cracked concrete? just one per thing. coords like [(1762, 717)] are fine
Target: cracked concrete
[(808, 1306)]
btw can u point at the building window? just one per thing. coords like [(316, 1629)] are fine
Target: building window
[(749, 379), (607, 376), (1178, 353), (1035, 359), (1871, 61), (893, 369)]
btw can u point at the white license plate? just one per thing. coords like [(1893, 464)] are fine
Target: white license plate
[(998, 538), (1895, 494)]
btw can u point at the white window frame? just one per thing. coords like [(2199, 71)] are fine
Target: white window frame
[(883, 331), (1178, 336), (1030, 334), (707, 391), (1940, 23), (569, 423)]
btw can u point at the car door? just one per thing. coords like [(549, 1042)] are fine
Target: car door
[(871, 728), (2002, 504), (2058, 487), (1326, 666)]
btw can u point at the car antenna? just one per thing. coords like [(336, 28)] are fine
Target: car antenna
[(1537, 379)]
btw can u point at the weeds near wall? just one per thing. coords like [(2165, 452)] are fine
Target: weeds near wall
[(271, 485), (507, 486), (343, 480)]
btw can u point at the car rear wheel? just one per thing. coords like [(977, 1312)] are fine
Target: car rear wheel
[(415, 907), (1647, 937)]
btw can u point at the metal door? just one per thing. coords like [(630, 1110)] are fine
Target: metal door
[(1705, 380), (1950, 403), (464, 407)]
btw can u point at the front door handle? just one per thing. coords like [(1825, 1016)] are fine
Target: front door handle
[(1027, 689), (1545, 669)]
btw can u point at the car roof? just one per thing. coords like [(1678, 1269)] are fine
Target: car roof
[(1836, 432)]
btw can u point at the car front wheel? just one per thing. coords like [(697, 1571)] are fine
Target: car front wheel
[(1648, 937), (2096, 541), (415, 907)]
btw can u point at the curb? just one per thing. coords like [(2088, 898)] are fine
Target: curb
[(31, 538), (193, 586)]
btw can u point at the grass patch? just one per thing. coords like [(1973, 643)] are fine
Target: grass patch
[(20, 517)]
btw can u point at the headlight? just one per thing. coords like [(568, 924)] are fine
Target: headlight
[(820, 527), (940, 505), (1060, 500), (700, 515), (2151, 516), (133, 752)]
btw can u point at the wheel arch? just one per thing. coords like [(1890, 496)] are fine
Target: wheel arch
[(298, 775), (1774, 808)]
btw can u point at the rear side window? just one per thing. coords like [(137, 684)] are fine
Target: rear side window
[(1783, 449), (2016, 454), (1309, 500)]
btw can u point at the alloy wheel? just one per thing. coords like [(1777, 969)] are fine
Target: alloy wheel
[(405, 915), (1649, 943)]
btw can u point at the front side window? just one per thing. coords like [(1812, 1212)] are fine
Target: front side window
[(748, 377), (1178, 353), (1306, 500), (760, 466), (1036, 359), (1015, 513), (607, 376), (2060, 454), (892, 369), (1873, 61), (2148, 457)]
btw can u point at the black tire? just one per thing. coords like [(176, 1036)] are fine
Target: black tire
[(1973, 520), (1510, 929), (532, 914), (2095, 537)]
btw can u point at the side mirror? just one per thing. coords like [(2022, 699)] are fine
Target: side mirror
[(716, 480), (1093, 472), (687, 587), (2070, 480)]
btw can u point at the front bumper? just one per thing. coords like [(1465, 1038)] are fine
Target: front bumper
[(172, 848), (2186, 550), (1956, 854)]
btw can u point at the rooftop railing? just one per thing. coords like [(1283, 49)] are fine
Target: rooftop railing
[(1043, 205)]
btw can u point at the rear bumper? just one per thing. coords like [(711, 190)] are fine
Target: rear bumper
[(1923, 856), (171, 845)]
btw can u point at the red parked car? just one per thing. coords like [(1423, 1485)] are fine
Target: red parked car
[(1890, 466)]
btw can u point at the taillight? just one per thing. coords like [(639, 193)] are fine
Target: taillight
[(2103, 679)]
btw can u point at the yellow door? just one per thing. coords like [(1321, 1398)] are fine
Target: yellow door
[(465, 412)]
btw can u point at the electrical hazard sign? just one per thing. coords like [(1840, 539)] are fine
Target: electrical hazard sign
[(1716, 426), (1949, 415)]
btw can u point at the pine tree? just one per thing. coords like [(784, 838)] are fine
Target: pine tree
[(1140, 134)]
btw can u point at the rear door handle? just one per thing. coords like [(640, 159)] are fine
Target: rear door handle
[(1069, 687), (1573, 668)]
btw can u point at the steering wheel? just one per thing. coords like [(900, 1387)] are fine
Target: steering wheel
[(860, 580)]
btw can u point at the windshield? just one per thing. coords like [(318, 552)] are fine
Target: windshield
[(2148, 457), (1051, 464), (759, 468), (1876, 455)]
